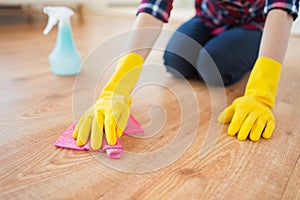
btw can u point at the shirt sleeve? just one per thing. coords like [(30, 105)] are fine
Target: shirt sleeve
[(290, 6), (160, 9)]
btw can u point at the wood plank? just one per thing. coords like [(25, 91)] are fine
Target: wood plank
[(294, 182)]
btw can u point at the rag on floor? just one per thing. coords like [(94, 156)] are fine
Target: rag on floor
[(114, 152)]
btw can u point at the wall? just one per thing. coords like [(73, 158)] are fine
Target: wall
[(296, 27)]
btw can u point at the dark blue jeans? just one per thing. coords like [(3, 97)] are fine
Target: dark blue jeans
[(231, 54)]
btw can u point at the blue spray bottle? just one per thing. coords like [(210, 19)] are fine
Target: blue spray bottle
[(65, 59)]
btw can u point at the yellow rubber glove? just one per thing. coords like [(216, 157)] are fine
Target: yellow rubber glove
[(111, 111), (251, 115)]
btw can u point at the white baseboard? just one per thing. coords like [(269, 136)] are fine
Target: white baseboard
[(296, 27)]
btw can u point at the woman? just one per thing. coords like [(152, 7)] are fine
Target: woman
[(255, 33)]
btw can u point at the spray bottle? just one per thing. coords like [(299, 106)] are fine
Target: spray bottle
[(65, 59)]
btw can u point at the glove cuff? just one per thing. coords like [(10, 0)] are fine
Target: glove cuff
[(126, 75), (263, 80)]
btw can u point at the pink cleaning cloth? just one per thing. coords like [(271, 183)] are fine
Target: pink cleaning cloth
[(114, 152)]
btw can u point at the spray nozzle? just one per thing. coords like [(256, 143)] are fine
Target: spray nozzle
[(56, 14)]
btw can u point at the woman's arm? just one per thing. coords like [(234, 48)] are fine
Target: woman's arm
[(145, 31), (276, 35), (251, 115)]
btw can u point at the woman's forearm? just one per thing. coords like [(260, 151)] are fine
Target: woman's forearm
[(276, 35), (145, 31)]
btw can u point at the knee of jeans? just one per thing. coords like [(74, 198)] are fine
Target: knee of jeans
[(178, 66), (213, 72)]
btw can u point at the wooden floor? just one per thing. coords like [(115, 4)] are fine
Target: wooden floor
[(36, 107)]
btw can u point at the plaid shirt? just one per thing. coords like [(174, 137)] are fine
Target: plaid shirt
[(220, 15)]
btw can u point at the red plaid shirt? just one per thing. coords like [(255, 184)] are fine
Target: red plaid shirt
[(220, 15)]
